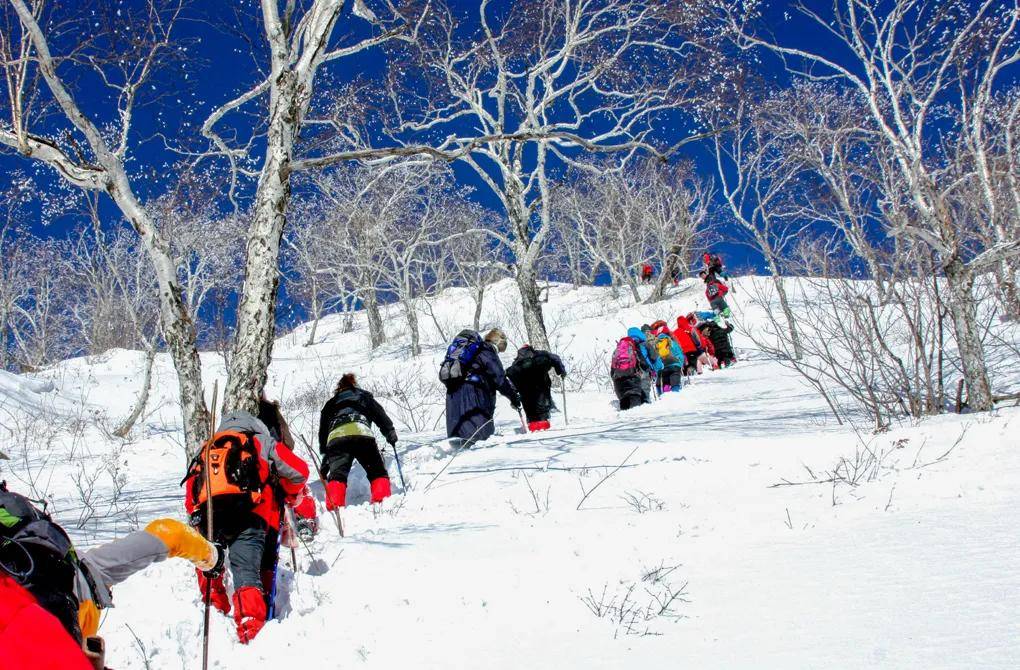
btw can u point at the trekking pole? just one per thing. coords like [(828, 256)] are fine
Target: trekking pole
[(208, 526), (524, 424), (563, 390), (322, 479), (400, 471), (271, 596)]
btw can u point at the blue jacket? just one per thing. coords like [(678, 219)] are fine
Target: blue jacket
[(675, 350), (647, 349)]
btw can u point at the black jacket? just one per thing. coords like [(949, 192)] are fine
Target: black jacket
[(720, 338), (353, 405), (530, 374)]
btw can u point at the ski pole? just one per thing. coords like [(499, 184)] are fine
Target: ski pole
[(400, 471), (271, 596), (322, 479), (563, 390), (208, 526), (524, 424)]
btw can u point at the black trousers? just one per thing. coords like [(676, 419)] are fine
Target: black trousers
[(250, 542), (671, 377), (341, 454), (631, 391)]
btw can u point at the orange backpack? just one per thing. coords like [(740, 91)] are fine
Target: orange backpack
[(235, 468)]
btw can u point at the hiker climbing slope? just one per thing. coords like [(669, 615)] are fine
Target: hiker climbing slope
[(345, 436), (51, 598), (473, 374), (251, 474), (530, 375)]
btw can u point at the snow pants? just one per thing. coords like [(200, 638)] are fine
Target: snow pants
[(341, 454), (251, 549), (538, 404), (719, 306), (469, 410), (631, 391), (671, 379)]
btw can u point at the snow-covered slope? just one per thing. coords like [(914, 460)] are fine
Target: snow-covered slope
[(688, 533)]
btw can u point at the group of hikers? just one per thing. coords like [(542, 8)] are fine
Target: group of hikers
[(251, 480), (247, 475), (473, 374), (654, 356)]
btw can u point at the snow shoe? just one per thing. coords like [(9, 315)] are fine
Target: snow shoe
[(307, 528)]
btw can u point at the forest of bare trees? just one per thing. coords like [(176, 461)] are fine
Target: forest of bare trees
[(538, 140)]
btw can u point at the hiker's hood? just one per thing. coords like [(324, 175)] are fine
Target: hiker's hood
[(636, 335)]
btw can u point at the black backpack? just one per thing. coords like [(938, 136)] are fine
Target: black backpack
[(459, 356), (38, 555)]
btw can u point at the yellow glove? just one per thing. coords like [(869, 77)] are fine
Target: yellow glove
[(183, 541), (88, 618)]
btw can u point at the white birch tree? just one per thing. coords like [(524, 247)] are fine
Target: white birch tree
[(89, 148), (922, 70), (518, 91)]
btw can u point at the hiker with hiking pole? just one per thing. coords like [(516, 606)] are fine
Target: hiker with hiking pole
[(530, 374), (473, 374), (249, 474)]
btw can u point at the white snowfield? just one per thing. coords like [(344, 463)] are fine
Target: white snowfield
[(654, 538)]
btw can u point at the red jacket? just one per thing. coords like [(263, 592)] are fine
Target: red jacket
[(715, 289), (31, 637), (685, 336)]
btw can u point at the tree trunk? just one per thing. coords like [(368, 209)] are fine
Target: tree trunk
[(256, 313), (531, 306), (632, 284), (375, 323), (177, 325), (143, 397), (479, 300), (412, 325), (1010, 296), (316, 315), (665, 276), (968, 338), (784, 303)]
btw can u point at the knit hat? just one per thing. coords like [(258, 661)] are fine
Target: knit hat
[(497, 338)]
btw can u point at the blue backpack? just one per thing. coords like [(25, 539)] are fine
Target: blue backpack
[(459, 356)]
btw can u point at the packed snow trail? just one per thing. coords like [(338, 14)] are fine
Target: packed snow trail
[(479, 568), (683, 554)]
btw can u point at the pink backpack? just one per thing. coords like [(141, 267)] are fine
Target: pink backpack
[(625, 361)]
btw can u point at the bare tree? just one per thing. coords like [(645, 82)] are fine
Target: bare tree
[(906, 60), (90, 149), (474, 255), (115, 296), (647, 212), (520, 91), (301, 38), (756, 180)]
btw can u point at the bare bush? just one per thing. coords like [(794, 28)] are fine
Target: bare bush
[(540, 501), (633, 607), (889, 359), (414, 397), (642, 502)]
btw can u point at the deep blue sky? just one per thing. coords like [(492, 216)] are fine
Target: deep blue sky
[(224, 68)]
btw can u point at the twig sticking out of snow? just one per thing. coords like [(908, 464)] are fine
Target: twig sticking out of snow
[(608, 475)]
